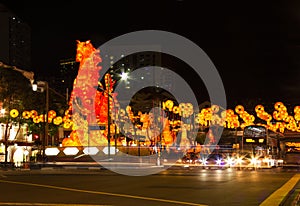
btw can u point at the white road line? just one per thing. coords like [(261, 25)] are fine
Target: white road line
[(106, 193)]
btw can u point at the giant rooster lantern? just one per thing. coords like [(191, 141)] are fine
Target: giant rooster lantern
[(88, 102)]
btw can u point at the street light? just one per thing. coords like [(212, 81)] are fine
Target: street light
[(42, 86), (124, 76), (108, 114), (28, 74)]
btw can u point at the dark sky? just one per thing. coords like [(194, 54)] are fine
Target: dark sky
[(253, 44)]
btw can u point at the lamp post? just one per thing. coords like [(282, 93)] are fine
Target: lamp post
[(116, 130), (108, 118), (108, 115), (124, 76), (42, 86)]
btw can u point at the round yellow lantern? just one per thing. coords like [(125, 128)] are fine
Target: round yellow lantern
[(26, 114), (14, 113)]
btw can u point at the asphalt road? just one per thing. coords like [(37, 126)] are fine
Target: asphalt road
[(180, 186)]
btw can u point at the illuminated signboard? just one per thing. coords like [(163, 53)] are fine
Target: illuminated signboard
[(250, 140), (254, 140), (292, 146)]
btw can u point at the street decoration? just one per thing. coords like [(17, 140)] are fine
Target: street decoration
[(180, 118), (279, 120), (14, 113), (26, 114), (245, 116), (89, 99)]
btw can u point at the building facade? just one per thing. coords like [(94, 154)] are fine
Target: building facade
[(15, 40)]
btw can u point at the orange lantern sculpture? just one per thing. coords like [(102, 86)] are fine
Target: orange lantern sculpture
[(89, 102)]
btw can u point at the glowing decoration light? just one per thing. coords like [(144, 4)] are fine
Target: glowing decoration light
[(36, 119), (67, 124), (186, 109), (51, 151), (33, 113), (246, 117), (14, 113), (57, 120), (297, 113), (51, 115), (239, 109), (90, 150), (71, 150), (26, 114), (230, 119), (112, 150), (262, 114), (281, 111), (168, 105), (176, 110), (215, 109)]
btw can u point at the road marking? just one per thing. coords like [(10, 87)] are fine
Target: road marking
[(277, 197), (105, 193), (46, 204)]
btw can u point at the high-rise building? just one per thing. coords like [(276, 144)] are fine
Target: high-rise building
[(15, 40), (149, 81), (144, 60), (63, 80)]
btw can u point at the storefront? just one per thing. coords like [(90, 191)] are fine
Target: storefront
[(290, 147)]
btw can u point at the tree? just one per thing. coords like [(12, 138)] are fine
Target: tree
[(14, 91)]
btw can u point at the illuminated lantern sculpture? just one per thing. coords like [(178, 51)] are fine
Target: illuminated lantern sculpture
[(262, 114), (167, 135), (91, 98), (246, 117), (281, 111), (144, 118)]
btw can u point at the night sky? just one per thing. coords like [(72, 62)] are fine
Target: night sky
[(253, 44)]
